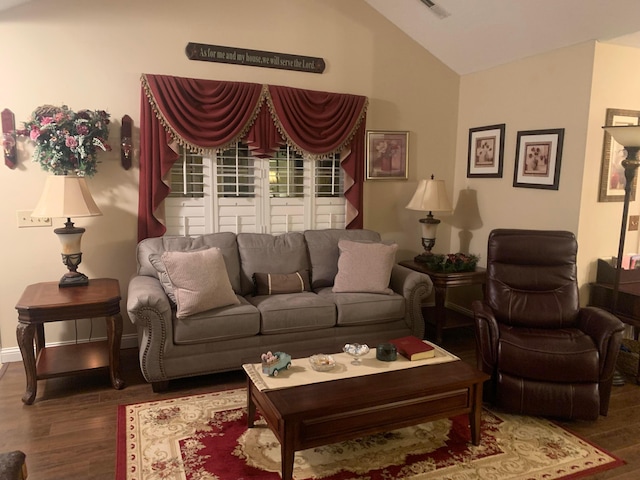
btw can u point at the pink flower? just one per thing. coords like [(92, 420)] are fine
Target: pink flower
[(71, 142), (59, 116), (82, 129), (46, 120), (34, 133)]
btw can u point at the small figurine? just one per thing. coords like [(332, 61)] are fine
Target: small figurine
[(272, 363)]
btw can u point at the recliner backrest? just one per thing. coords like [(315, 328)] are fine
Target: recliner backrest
[(531, 278)]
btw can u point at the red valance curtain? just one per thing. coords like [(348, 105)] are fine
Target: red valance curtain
[(208, 115)]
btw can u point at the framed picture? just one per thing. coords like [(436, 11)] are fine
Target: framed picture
[(538, 156), (486, 147), (387, 155), (612, 179)]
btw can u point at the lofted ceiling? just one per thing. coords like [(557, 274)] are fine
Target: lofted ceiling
[(480, 34), (474, 35)]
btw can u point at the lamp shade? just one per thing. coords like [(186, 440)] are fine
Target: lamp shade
[(66, 196), (430, 196), (625, 135)]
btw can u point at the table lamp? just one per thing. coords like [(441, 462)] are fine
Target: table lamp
[(430, 196), (68, 196)]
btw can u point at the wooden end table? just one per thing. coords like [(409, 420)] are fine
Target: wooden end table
[(46, 302), (443, 281), (627, 305)]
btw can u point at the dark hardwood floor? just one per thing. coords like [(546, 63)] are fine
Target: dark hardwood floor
[(70, 430)]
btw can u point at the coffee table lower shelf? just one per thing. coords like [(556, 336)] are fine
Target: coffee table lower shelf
[(308, 416)]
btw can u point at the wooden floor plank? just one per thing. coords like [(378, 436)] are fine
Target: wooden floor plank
[(70, 430)]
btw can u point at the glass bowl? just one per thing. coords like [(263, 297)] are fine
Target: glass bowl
[(356, 350), (321, 362)]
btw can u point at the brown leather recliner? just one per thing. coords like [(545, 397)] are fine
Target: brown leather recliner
[(546, 355)]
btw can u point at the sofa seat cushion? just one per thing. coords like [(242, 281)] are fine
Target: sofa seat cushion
[(218, 324), (363, 308), (294, 312), (552, 355)]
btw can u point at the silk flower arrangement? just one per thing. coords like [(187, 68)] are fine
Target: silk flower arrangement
[(67, 142)]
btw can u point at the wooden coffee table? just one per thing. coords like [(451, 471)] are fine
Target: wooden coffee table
[(308, 416)]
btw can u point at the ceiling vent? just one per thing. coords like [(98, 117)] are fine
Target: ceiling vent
[(437, 10)]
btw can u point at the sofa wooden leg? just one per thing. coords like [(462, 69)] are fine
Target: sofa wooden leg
[(161, 386)]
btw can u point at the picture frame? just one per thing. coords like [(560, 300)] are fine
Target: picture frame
[(538, 159), (612, 179), (387, 154), (486, 151)]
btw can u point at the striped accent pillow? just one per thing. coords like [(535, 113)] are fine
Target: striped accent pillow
[(278, 283)]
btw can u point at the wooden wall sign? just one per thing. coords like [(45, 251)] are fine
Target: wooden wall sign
[(126, 142), (9, 138), (253, 58)]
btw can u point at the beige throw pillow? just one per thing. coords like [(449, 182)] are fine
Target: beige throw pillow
[(199, 279), (364, 267)]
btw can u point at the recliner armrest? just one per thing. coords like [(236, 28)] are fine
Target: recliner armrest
[(487, 335), (606, 331)]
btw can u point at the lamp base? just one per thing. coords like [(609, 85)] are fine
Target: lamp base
[(73, 279), (424, 257)]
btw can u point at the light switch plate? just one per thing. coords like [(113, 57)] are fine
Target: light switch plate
[(26, 220), (633, 222)]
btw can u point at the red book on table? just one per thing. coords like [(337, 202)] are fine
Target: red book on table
[(413, 348)]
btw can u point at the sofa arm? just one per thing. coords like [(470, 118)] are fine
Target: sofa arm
[(149, 310), (413, 286)]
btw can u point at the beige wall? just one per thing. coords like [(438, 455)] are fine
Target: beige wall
[(92, 57), (615, 73), (569, 88), (542, 92)]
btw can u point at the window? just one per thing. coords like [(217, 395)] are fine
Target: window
[(187, 176), (236, 172), (247, 194), (286, 174)]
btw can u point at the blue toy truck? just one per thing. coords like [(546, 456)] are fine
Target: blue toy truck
[(273, 363)]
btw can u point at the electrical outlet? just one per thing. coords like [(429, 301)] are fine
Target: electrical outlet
[(26, 220)]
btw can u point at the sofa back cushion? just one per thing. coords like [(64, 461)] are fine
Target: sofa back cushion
[(324, 252), (265, 253), (364, 267), (225, 241)]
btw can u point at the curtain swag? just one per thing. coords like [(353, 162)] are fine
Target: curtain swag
[(209, 116)]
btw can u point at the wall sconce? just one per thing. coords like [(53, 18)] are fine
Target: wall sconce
[(9, 139), (126, 143)]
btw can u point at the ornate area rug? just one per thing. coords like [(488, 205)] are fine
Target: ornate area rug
[(205, 437)]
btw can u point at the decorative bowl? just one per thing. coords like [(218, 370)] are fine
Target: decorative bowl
[(321, 362), (356, 350)]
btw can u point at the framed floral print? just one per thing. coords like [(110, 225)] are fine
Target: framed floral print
[(538, 156), (486, 150), (612, 181), (387, 155)]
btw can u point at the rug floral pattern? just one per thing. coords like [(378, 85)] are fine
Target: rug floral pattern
[(204, 437)]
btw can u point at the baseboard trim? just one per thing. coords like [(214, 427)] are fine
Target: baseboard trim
[(12, 354)]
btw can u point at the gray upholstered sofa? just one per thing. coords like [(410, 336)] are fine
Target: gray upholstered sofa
[(301, 323)]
